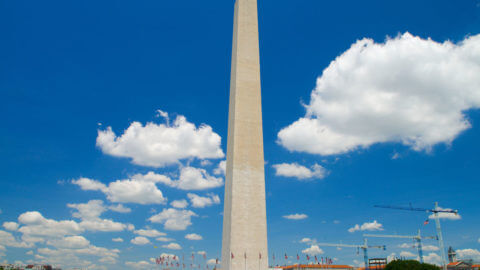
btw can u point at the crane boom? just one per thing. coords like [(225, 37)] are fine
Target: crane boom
[(400, 236), (364, 247), (418, 209), (417, 237)]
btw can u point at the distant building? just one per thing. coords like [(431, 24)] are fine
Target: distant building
[(461, 265)]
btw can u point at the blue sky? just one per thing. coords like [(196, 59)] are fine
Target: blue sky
[(399, 111)]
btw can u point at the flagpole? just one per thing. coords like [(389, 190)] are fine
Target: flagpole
[(245, 255)]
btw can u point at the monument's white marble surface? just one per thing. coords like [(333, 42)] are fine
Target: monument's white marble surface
[(245, 223)]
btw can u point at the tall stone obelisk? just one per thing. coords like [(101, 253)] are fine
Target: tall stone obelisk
[(244, 245)]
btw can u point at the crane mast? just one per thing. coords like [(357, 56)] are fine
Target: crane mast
[(435, 212)]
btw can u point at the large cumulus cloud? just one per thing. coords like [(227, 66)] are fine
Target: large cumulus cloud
[(408, 90)]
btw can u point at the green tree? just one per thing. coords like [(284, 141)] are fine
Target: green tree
[(410, 265)]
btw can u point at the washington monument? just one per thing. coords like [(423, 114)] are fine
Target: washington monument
[(244, 243)]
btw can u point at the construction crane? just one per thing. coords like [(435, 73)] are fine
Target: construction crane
[(364, 247), (417, 237), (435, 212)]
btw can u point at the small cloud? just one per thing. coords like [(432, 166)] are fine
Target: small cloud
[(164, 239), (313, 250), (140, 240), (336, 222), (149, 233), (222, 167), (173, 246), (300, 172), (201, 202), (193, 236), (306, 240), (407, 254), (395, 156), (367, 226), (118, 240), (296, 216), (179, 204), (120, 208), (11, 226)]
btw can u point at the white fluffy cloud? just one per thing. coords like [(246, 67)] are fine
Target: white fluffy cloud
[(141, 189), (307, 240), (409, 90), (367, 226), (202, 202), (140, 240), (432, 258), (174, 219), (173, 246), (407, 254), (11, 226), (429, 248), (120, 208), (179, 204), (118, 239), (196, 179), (299, 171), (164, 239), (69, 257), (149, 233), (75, 241), (139, 265), (7, 239), (296, 216), (90, 213), (313, 250), (158, 145), (193, 236), (221, 169), (34, 224), (468, 253)]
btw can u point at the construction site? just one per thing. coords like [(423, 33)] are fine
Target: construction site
[(449, 259)]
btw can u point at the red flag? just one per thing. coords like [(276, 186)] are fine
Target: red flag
[(174, 257), (286, 257), (298, 257), (316, 258), (193, 256), (205, 256), (308, 258), (232, 255), (426, 222)]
